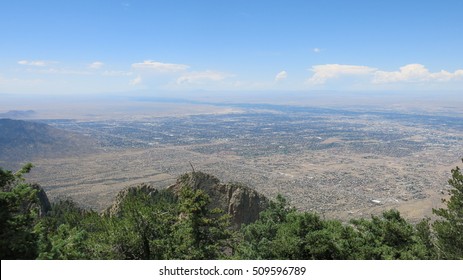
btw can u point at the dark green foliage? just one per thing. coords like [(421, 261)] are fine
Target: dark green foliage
[(6, 179), (158, 224), (63, 235), (147, 225), (18, 215), (258, 236), (390, 237), (140, 230), (426, 236), (200, 233), (449, 229), (143, 227), (67, 243), (65, 211), (283, 233)]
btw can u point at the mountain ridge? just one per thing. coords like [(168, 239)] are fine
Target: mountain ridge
[(241, 202), (27, 140)]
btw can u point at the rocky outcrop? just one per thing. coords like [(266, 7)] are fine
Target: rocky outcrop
[(115, 208), (242, 203), (43, 203)]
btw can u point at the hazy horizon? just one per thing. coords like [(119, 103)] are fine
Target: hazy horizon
[(170, 103)]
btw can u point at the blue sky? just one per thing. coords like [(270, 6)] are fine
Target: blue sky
[(88, 47)]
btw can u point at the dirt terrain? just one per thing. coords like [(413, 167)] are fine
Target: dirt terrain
[(338, 163)]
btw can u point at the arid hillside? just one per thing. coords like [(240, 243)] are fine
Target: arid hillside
[(27, 141)]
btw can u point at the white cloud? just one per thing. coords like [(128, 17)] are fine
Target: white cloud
[(40, 63), (410, 73), (135, 81), (197, 77), (160, 66), (316, 50), (281, 76), (324, 72), (115, 73), (60, 71), (415, 73), (96, 65)]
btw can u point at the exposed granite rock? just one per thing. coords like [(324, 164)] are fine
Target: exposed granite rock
[(242, 203), (114, 209), (44, 204)]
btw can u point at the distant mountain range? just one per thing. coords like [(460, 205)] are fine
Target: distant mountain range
[(24, 141), (18, 114)]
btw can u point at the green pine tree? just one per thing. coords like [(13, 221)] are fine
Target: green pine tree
[(201, 233), (449, 228), (18, 214)]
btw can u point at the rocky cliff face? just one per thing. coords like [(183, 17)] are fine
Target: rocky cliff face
[(43, 203), (242, 203), (115, 208)]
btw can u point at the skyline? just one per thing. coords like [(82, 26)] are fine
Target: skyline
[(85, 47)]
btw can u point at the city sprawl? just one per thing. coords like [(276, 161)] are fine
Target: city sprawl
[(340, 163)]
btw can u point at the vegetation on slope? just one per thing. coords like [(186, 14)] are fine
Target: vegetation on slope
[(161, 224)]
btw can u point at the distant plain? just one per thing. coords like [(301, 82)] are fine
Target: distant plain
[(339, 156)]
